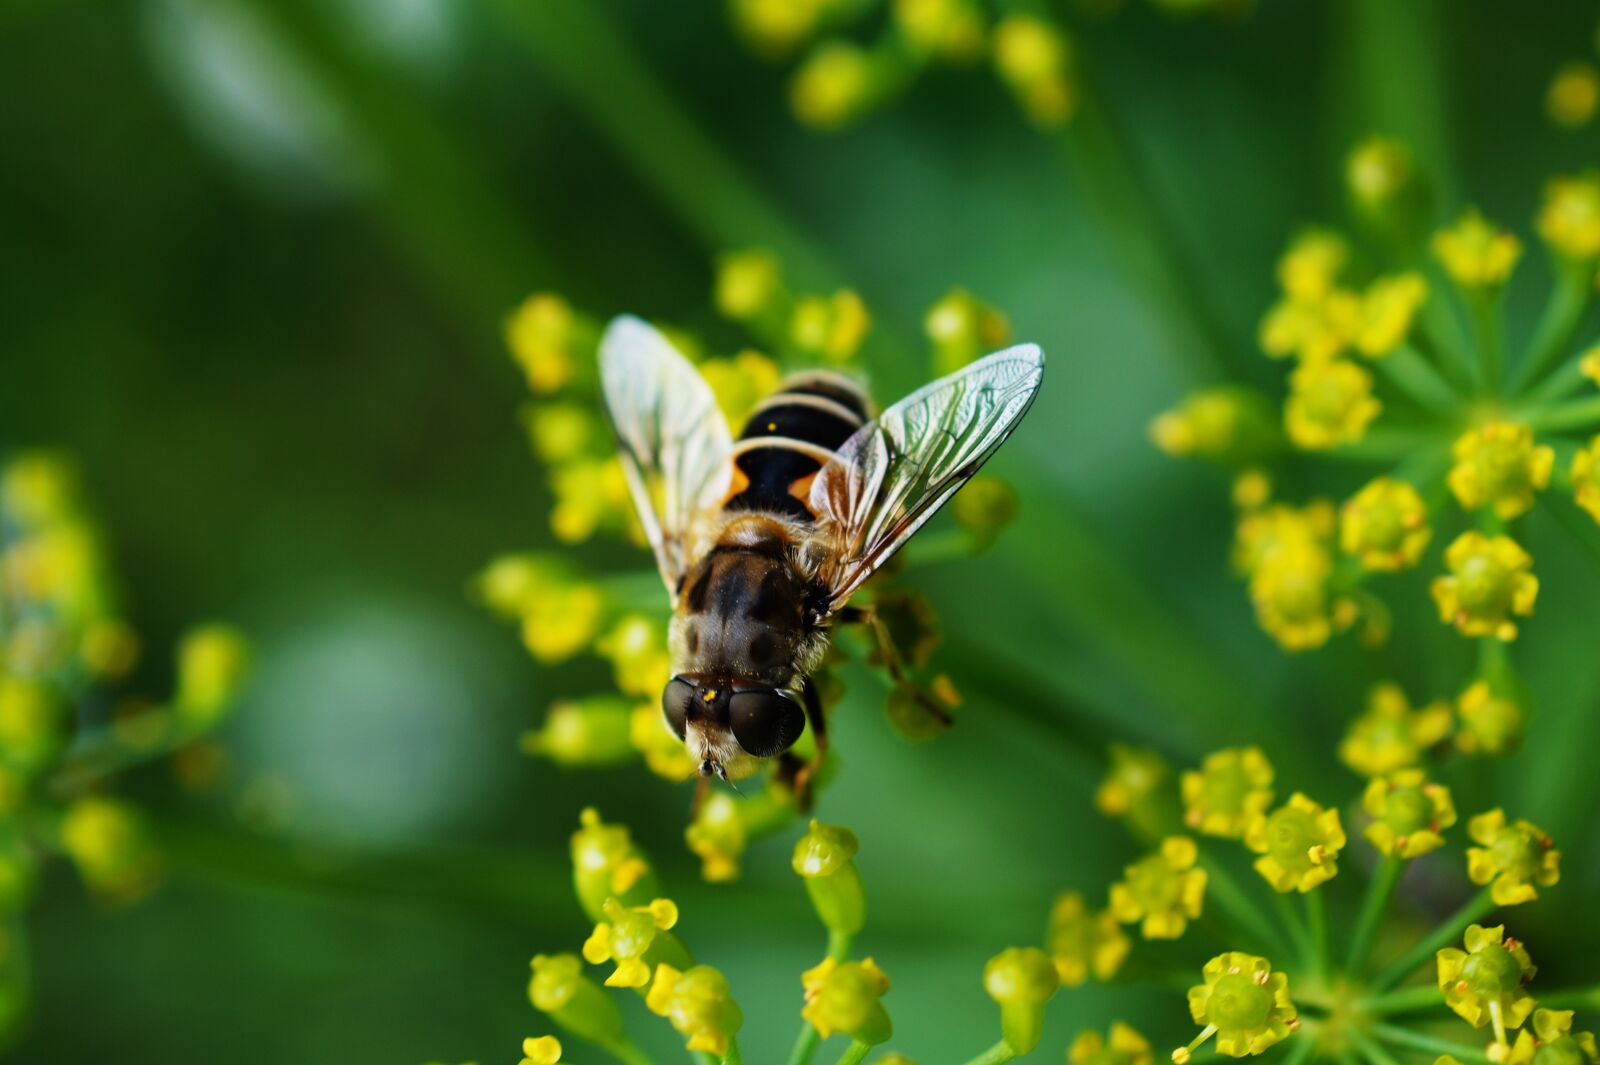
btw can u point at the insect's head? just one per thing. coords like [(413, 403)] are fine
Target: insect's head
[(726, 723)]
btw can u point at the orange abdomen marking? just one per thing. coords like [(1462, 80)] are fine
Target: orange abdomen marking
[(788, 440)]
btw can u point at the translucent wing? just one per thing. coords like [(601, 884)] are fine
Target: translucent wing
[(896, 472), (673, 439)]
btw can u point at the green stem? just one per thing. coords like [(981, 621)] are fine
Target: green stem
[(1380, 890), (1486, 327), (1452, 927), (95, 757), (1317, 924), (1405, 1037), (1302, 1050), (839, 944), (1572, 998), (1562, 314), (1405, 1000), (1235, 903), (1368, 1048), (805, 1046), (733, 1057), (1411, 373), (1579, 414), (854, 1053), (1569, 379), (1388, 443), (626, 1052), (1293, 925), (996, 1055)]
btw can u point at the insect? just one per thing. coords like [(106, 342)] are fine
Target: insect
[(762, 541)]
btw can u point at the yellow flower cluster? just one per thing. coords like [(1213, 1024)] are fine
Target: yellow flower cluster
[(1287, 554), (1390, 735), (1477, 254), (1034, 57), (1569, 220)]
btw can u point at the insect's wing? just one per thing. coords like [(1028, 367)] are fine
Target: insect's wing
[(896, 472), (673, 439)]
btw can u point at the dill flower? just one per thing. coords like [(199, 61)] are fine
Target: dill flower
[(1313, 329), (1330, 403), (542, 334), (1550, 1040), (1229, 790), (1484, 983), (587, 732), (1385, 525), (1021, 980), (1310, 267), (1591, 365), (1138, 787), (1299, 843), (30, 724), (108, 841), (825, 858), (740, 382), (1034, 57), (723, 827), (637, 939), (1489, 581), (1586, 478), (961, 327), (1511, 857), (213, 661), (1122, 1045), (591, 494), (1266, 535), (663, 754), (775, 27), (1498, 464), (606, 864), (561, 432), (698, 1003), (1389, 735), (560, 990), (1408, 813), (110, 650), (1227, 424), (1569, 219), (561, 620), (984, 507), (846, 997), (1292, 596), (952, 29), (1084, 943), (748, 283), (1388, 307), (1477, 254), (1490, 722), (636, 647), (1244, 1003), (1573, 94), (544, 1050), (1163, 891), (1377, 171), (833, 86), (830, 327)]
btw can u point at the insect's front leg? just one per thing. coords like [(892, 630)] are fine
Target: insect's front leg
[(854, 615)]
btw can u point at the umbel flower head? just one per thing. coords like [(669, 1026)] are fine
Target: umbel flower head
[(1084, 942), (1122, 1045), (1512, 858), (1229, 790), (845, 997), (1409, 813), (1164, 890), (1385, 525), (1550, 1040), (1498, 465), (636, 939), (1021, 980), (1484, 983), (698, 1003), (1489, 582), (1298, 843), (1390, 735), (1244, 1003)]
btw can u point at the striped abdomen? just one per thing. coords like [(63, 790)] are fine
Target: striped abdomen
[(788, 438)]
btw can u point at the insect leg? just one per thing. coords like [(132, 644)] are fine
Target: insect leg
[(891, 657), (804, 777)]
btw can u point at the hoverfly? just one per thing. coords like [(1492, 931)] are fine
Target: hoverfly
[(762, 541)]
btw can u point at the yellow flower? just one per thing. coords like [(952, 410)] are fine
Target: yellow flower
[(1312, 330), (108, 842), (1489, 581), (1227, 424), (1298, 843), (698, 1003), (774, 27), (213, 662), (1573, 95), (542, 333), (562, 432), (1499, 464), (1021, 980), (748, 283), (591, 494), (663, 753), (740, 382), (1231, 788), (30, 723), (1569, 220), (545, 1050), (1123, 1045), (1389, 735), (1244, 1002), (1138, 787), (561, 621), (1388, 307), (1484, 983), (606, 865), (845, 997), (1475, 253), (723, 826), (561, 991), (834, 85), (1586, 478), (1408, 813), (1330, 403), (1553, 1042), (1377, 170), (831, 327), (1591, 365), (1265, 536), (1511, 858), (1490, 722), (949, 28), (1082, 943), (1385, 525), (1291, 596), (1311, 266), (1034, 57), (1252, 489), (587, 732), (961, 327), (636, 647), (1163, 891), (636, 939)]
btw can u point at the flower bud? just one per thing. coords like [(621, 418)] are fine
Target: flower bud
[(846, 997), (1491, 721), (1138, 788), (699, 1004), (984, 507), (834, 86), (1123, 1046), (546, 338), (562, 432), (724, 826), (1484, 983), (1477, 254), (1573, 95), (825, 858), (109, 843), (1227, 424), (560, 990), (638, 940), (1511, 857), (545, 1050), (951, 29), (1021, 980), (664, 753), (739, 383), (1082, 943), (636, 647), (605, 863), (831, 328), (560, 619), (1569, 219), (1246, 1003), (589, 732), (30, 724), (961, 328), (212, 664), (1489, 582), (749, 284)]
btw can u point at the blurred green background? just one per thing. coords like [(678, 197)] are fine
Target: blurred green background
[(256, 256)]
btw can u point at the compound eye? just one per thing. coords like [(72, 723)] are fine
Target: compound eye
[(675, 704), (766, 721)]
